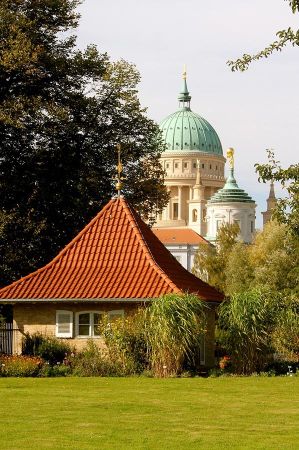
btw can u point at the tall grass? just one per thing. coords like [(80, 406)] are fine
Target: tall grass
[(175, 328)]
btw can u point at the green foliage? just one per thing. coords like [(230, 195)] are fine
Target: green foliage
[(49, 348), (246, 322), (210, 261), (284, 37), (285, 336), (61, 113), (176, 326), (287, 210), (237, 270), (20, 366), (126, 342), (92, 362), (59, 370)]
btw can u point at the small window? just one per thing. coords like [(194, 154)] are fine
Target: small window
[(210, 166), (252, 226), (88, 324), (176, 165), (167, 166), (194, 215), (175, 211), (194, 165), (64, 324), (202, 166), (185, 165), (216, 167)]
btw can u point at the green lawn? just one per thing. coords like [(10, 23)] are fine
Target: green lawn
[(144, 413)]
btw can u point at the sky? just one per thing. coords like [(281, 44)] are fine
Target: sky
[(250, 111)]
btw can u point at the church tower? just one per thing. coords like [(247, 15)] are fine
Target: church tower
[(194, 166), (271, 204)]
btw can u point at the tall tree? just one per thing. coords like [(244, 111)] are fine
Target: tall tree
[(62, 111), (288, 36)]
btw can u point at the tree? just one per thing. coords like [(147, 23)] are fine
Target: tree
[(284, 37), (287, 210), (271, 262), (210, 261), (62, 111)]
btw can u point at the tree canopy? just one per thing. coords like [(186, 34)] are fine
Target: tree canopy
[(288, 36), (62, 111)]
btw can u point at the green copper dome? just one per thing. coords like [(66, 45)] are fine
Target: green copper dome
[(186, 131), (231, 192)]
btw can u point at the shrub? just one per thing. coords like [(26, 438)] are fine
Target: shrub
[(246, 322), (20, 366), (92, 362), (60, 370), (49, 348), (126, 343)]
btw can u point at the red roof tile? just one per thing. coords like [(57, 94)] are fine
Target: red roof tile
[(179, 236), (115, 256)]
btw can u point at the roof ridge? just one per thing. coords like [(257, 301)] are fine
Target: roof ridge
[(147, 250), (61, 253)]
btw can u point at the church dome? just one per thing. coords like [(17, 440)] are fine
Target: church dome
[(186, 131)]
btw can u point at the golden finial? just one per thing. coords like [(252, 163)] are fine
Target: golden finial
[(119, 169), (230, 157), (184, 72)]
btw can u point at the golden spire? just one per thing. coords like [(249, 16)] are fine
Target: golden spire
[(119, 169), (184, 72)]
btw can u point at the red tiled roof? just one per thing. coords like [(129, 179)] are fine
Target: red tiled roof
[(115, 256), (179, 236)]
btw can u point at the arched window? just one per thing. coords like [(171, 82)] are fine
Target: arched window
[(194, 215)]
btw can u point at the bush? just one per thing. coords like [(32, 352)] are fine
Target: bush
[(282, 367), (60, 370), (126, 343), (92, 362), (49, 348), (246, 322), (20, 366)]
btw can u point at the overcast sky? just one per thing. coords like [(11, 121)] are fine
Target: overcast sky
[(250, 111)]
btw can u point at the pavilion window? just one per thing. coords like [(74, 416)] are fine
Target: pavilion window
[(88, 324)]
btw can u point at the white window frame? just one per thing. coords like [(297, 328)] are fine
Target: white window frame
[(110, 314), (91, 324), (68, 334)]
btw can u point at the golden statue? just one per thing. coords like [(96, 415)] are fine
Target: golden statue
[(230, 157)]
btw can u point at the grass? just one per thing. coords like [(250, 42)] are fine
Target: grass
[(144, 413)]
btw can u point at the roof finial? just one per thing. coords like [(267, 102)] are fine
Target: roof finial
[(184, 72), (119, 168), (184, 96)]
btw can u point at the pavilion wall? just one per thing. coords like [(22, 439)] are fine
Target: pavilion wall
[(41, 318)]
